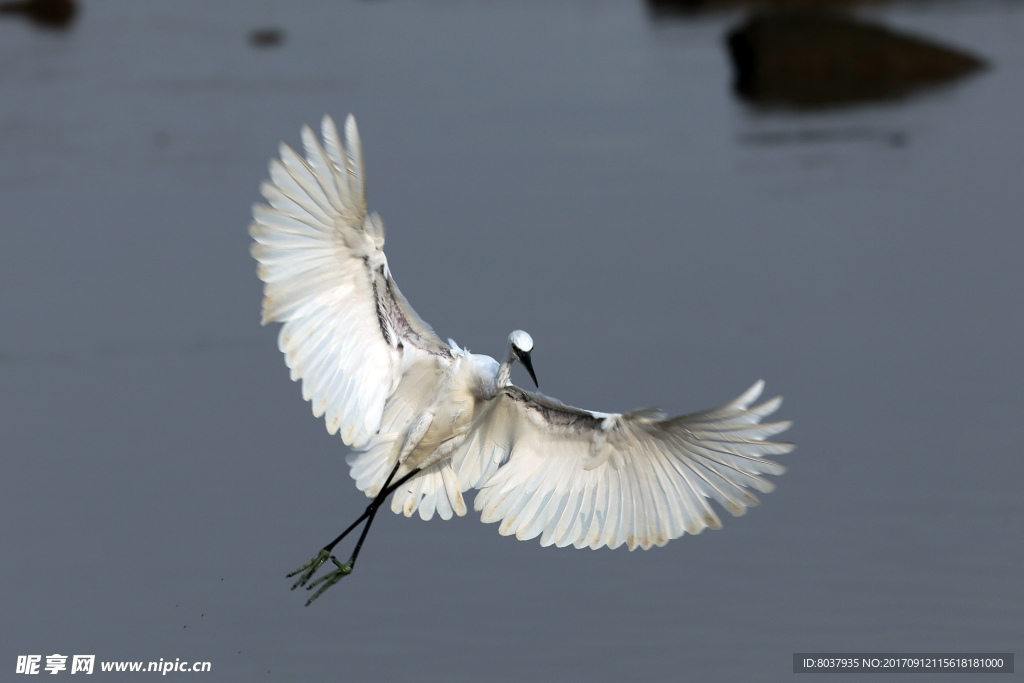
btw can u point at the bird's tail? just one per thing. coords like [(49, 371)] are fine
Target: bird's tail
[(436, 489)]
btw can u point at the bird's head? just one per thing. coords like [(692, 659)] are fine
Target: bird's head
[(520, 344)]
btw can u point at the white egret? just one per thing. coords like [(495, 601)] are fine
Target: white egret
[(427, 421)]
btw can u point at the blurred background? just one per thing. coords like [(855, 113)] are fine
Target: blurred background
[(675, 200)]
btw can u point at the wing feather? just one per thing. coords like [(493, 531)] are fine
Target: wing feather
[(575, 477), (349, 335), (337, 156), (433, 490)]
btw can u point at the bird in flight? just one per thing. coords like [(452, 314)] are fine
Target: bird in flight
[(426, 420)]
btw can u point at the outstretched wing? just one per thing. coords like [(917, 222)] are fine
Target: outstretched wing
[(576, 477), (348, 332)]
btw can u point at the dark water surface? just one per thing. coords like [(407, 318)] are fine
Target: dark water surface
[(579, 170)]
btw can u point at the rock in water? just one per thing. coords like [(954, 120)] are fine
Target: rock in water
[(821, 59), (52, 14)]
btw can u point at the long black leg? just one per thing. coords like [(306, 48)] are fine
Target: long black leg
[(373, 513), (343, 570), (307, 570)]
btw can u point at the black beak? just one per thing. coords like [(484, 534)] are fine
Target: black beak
[(524, 358)]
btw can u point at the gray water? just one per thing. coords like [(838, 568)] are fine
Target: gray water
[(577, 169)]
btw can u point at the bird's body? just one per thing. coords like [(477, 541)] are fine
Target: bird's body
[(447, 417), (428, 420)]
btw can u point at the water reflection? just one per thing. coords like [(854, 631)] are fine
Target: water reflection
[(814, 136)]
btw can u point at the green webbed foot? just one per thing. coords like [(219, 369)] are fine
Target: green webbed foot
[(330, 578), (307, 570)]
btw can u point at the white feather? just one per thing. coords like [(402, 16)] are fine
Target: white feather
[(409, 404)]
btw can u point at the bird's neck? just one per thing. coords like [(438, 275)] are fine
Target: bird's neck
[(502, 379)]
